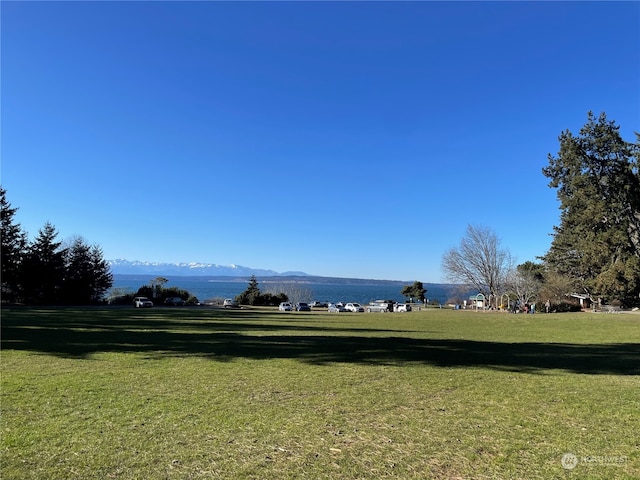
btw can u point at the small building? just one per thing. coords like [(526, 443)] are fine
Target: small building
[(476, 301), (584, 299)]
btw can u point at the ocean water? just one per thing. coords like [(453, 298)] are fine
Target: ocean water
[(205, 289)]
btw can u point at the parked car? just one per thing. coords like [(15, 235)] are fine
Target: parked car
[(380, 306), (142, 302), (402, 307), (174, 301), (285, 307), (303, 307), (336, 308), (354, 307), (229, 303), (319, 304)]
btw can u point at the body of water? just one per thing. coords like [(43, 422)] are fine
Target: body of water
[(205, 289)]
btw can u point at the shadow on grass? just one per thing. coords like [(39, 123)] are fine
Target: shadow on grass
[(220, 336)]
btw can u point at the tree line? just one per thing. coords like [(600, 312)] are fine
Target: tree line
[(595, 250), (45, 270), (252, 295)]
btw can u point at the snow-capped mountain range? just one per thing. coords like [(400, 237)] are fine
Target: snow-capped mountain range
[(127, 267)]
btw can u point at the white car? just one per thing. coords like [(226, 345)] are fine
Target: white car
[(354, 307), (142, 302), (402, 307), (285, 307), (229, 303), (336, 308)]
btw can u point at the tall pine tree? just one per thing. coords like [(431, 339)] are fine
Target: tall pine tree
[(44, 268), (251, 296), (598, 185), (12, 250), (87, 274), (102, 276)]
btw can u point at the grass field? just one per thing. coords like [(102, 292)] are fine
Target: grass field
[(186, 393)]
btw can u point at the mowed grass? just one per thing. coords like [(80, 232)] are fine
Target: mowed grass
[(182, 393)]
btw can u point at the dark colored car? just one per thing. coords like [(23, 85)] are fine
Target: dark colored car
[(174, 301)]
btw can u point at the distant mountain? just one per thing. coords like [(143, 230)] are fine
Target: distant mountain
[(126, 267)]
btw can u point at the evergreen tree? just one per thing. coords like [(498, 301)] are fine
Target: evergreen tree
[(87, 275), (598, 185), (44, 267), (251, 296), (76, 287), (157, 285), (102, 276), (44, 272), (416, 291), (12, 249)]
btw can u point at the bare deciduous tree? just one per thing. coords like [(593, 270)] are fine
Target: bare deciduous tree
[(478, 262), (556, 288), (295, 292), (524, 284)]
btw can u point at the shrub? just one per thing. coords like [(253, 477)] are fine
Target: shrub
[(564, 306), (272, 299)]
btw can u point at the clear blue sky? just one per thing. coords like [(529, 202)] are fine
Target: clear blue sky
[(340, 139)]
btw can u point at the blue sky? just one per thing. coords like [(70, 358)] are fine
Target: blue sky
[(351, 139)]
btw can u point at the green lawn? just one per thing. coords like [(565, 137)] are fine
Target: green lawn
[(181, 393)]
